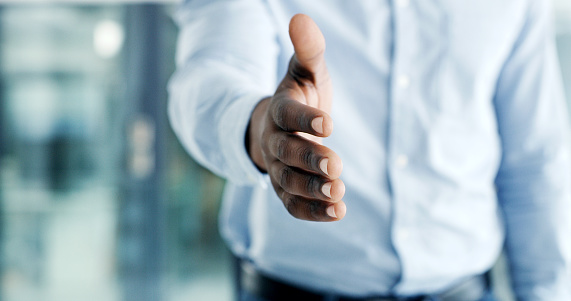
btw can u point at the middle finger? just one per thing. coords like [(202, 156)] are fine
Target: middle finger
[(298, 182)]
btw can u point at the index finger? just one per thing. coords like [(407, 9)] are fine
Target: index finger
[(292, 116)]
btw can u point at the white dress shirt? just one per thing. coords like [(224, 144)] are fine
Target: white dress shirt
[(450, 121)]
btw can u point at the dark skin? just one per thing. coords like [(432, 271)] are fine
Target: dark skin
[(285, 132)]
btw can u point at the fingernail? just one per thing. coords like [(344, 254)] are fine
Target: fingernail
[(317, 125), (331, 211), (326, 189), (323, 165)]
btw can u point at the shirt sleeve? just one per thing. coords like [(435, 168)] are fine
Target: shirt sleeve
[(226, 63), (533, 179)]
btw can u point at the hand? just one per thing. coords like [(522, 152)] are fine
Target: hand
[(284, 132)]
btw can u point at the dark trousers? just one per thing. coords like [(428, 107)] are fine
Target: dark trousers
[(242, 294), (245, 296)]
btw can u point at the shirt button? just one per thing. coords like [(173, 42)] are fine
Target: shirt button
[(402, 161), (403, 234), (403, 3), (403, 81)]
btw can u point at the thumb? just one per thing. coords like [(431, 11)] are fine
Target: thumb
[(309, 62), (308, 43)]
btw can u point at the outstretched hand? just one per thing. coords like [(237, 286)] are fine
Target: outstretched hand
[(285, 132)]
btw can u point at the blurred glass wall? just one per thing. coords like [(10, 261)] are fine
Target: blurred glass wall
[(98, 201), (92, 208)]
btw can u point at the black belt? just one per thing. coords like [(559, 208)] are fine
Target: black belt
[(268, 288)]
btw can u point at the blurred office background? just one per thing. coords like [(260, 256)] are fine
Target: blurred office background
[(98, 201)]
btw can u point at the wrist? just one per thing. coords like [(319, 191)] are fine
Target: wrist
[(254, 133)]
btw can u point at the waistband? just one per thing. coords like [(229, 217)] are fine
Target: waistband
[(269, 288)]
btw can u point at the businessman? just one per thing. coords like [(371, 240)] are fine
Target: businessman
[(427, 135)]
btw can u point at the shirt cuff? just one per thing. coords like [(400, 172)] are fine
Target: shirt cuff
[(232, 132)]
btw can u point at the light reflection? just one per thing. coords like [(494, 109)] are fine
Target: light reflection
[(108, 37)]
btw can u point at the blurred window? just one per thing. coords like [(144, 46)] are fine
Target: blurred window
[(65, 112)]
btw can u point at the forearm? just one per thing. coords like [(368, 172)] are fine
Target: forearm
[(533, 179), (211, 122), (537, 215), (226, 63)]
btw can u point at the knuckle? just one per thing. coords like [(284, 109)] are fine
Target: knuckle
[(316, 56), (279, 110), (286, 175), (314, 209), (306, 156), (302, 77), (291, 205), (287, 117), (324, 78), (303, 120), (299, 74), (282, 147), (284, 196), (312, 186)]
